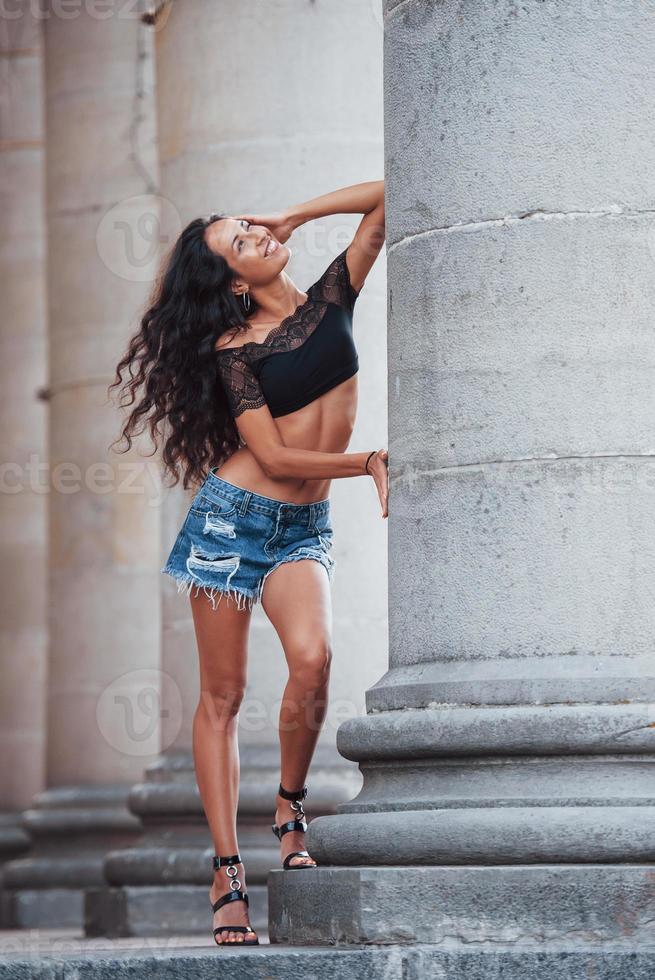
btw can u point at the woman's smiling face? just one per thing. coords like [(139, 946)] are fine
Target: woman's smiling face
[(251, 251)]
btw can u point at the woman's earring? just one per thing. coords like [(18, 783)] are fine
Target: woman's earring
[(246, 300)]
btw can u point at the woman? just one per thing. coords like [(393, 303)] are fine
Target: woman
[(257, 383)]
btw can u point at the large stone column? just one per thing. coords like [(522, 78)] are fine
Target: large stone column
[(508, 753), (244, 132), (23, 419), (23, 429), (103, 554)]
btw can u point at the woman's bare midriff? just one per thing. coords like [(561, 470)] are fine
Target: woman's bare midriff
[(325, 425)]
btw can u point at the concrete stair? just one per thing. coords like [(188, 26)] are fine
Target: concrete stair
[(35, 954)]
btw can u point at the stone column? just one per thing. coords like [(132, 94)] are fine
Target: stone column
[(103, 554), (508, 752), (246, 122), (23, 430), (23, 417)]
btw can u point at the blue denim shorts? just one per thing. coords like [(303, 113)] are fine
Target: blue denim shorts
[(233, 538)]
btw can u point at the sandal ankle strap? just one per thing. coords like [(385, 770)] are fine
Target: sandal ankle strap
[(299, 794), (220, 860)]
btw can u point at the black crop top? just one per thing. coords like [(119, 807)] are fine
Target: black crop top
[(305, 355)]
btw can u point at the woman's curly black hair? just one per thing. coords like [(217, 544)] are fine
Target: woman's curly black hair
[(172, 357)]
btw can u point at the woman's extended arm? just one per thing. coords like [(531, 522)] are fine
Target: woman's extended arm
[(311, 464), (261, 434), (355, 199), (259, 431)]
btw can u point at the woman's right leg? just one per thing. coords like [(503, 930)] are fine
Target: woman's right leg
[(222, 638)]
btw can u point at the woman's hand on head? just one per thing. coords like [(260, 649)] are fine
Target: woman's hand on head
[(279, 223), (378, 467)]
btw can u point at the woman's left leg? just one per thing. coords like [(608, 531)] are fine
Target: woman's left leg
[(298, 602)]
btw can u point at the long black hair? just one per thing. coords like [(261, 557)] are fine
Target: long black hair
[(172, 357)]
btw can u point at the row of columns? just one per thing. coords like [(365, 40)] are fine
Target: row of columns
[(99, 559), (254, 156), (507, 752), (128, 164)]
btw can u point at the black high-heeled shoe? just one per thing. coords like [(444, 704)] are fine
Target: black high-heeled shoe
[(299, 823), (234, 895)]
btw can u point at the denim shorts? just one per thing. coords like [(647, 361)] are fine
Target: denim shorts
[(233, 538)]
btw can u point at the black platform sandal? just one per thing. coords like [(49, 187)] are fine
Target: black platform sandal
[(234, 895), (299, 823)]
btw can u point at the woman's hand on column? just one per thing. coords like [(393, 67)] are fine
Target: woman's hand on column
[(378, 467)]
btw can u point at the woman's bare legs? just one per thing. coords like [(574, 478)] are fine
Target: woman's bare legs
[(222, 638), (298, 602)]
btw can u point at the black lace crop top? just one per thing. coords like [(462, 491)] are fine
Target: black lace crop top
[(305, 355)]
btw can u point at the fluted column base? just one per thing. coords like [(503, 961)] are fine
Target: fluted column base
[(71, 829), (517, 784), (13, 842), (513, 823)]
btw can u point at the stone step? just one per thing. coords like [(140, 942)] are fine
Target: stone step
[(27, 957)]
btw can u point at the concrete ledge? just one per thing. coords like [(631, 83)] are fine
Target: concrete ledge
[(535, 907), (32, 908), (364, 963), (160, 910)]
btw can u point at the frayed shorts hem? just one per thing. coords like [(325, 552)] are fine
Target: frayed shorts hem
[(243, 599), (186, 585)]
